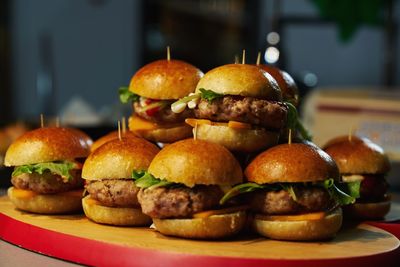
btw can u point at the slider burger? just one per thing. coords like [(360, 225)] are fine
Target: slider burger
[(182, 189), (112, 192), (152, 90), (47, 174), (363, 166), (293, 193), (238, 106)]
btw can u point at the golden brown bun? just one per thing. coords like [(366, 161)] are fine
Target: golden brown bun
[(114, 215), (192, 162), (244, 140), (367, 211), (213, 227), (241, 79), (47, 144), (320, 229), (82, 136), (358, 156), (48, 204), (110, 136), (291, 163), (288, 87), (163, 79), (119, 158)]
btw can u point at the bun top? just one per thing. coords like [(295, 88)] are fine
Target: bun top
[(48, 144), (193, 162), (163, 79), (358, 156), (241, 79), (292, 163), (288, 86), (110, 136), (119, 158)]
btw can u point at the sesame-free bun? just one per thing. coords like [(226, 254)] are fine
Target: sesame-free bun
[(367, 211), (358, 155), (122, 216), (292, 163), (241, 79), (306, 230), (163, 79), (194, 162), (212, 227), (61, 203), (119, 158), (47, 144), (288, 86), (110, 136), (243, 140)]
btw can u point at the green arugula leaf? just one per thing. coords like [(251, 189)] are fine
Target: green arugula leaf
[(144, 179), (290, 189), (354, 189), (294, 123), (125, 95), (60, 168), (240, 189), (338, 195), (209, 95)]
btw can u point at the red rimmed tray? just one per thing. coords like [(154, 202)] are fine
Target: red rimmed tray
[(76, 239)]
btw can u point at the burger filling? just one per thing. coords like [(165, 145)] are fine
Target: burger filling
[(114, 192), (49, 177), (158, 111), (373, 188)]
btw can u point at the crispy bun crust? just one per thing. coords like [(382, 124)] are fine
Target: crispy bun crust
[(114, 215), (48, 204), (367, 211), (241, 79), (163, 79), (47, 144), (358, 156), (192, 162), (292, 163), (213, 227), (244, 140), (163, 135), (119, 158), (288, 86), (321, 229), (110, 136)]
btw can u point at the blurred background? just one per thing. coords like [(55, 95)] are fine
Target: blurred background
[(67, 58)]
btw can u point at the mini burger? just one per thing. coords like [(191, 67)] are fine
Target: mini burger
[(293, 193), (182, 188), (363, 166), (47, 170), (112, 192), (238, 106), (152, 90)]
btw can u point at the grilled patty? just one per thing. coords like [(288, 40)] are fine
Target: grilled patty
[(310, 199), (181, 202), (47, 183), (114, 192), (260, 112)]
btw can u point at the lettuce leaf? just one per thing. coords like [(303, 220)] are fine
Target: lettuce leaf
[(338, 195), (125, 95), (209, 95), (61, 168), (294, 123), (143, 179)]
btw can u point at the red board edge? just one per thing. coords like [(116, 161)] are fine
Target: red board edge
[(91, 252)]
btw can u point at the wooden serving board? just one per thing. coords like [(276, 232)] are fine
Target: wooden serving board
[(77, 239)]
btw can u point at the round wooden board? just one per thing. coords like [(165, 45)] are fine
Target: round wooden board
[(75, 238)]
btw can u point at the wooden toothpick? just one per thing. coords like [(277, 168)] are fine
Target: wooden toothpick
[(119, 131), (244, 57), (350, 133), (168, 53), (290, 137), (237, 59), (57, 121), (258, 58), (195, 132), (41, 120), (123, 125)]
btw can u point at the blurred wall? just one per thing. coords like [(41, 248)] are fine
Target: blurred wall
[(95, 49)]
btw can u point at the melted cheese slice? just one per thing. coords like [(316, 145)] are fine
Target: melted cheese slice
[(208, 213), (231, 124), (300, 217), (136, 123), (22, 193)]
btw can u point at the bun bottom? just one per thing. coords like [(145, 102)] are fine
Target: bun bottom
[(213, 227), (62, 203), (113, 215), (309, 230), (162, 135), (244, 140), (367, 211)]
